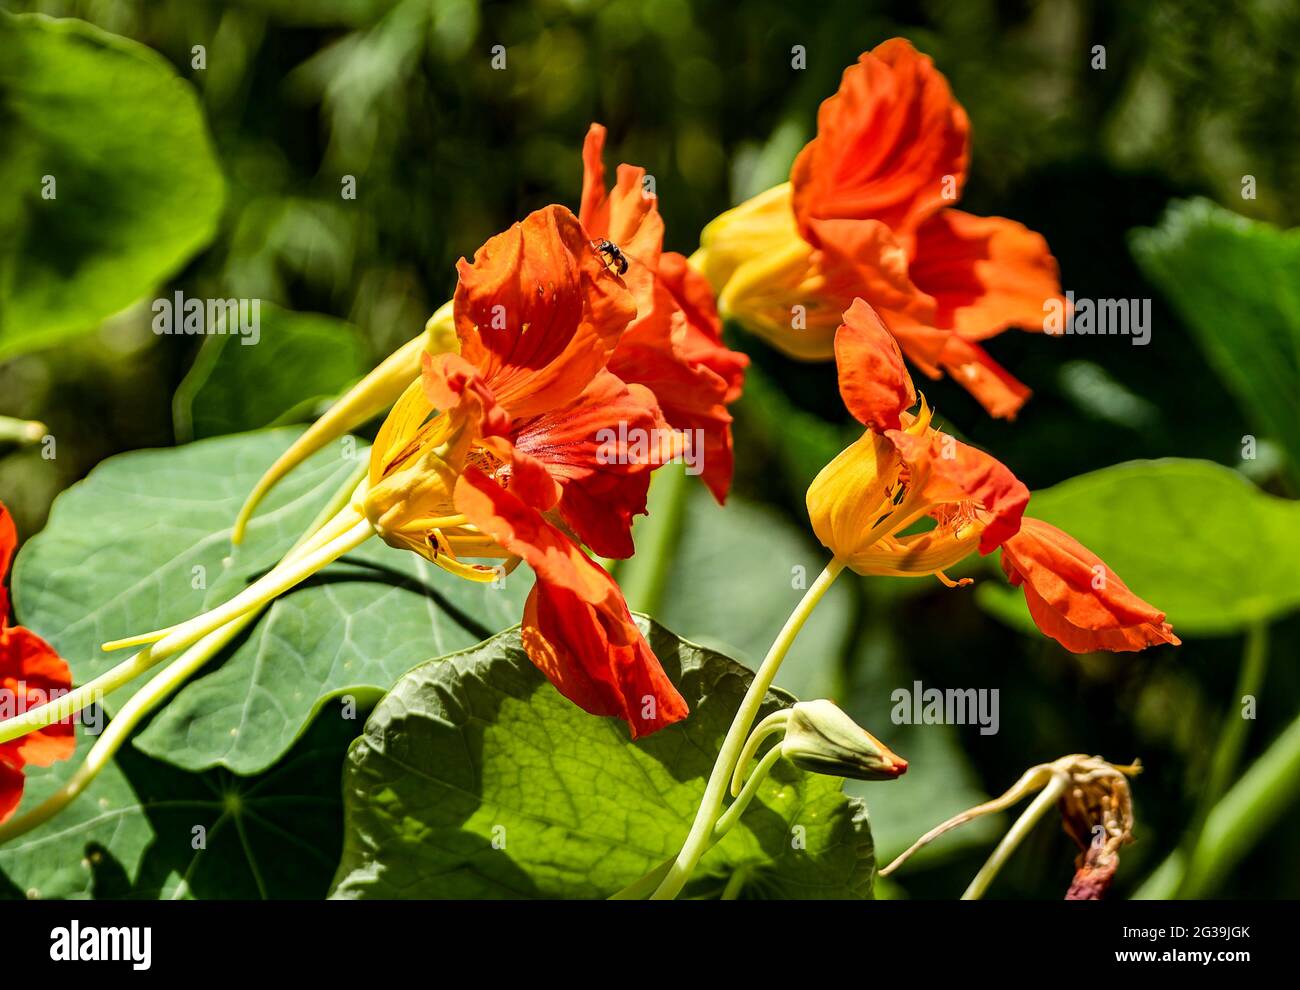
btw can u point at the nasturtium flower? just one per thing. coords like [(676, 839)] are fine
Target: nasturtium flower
[(865, 504), (31, 673), (868, 214), (821, 738), (674, 345), (524, 446)]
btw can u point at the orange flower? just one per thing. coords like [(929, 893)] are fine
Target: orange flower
[(864, 504), (524, 445), (674, 345), (867, 213), (30, 674)]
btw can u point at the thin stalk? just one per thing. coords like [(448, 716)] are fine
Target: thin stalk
[(164, 683), (268, 587), (644, 577), (21, 431), (646, 884), (711, 804), (1232, 739), (1023, 826)]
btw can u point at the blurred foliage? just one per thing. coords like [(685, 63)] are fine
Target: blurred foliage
[(446, 150)]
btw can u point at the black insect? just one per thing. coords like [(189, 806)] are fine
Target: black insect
[(613, 255)]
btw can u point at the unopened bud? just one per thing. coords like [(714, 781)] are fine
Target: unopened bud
[(821, 738)]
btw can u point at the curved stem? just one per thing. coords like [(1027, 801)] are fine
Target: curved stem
[(646, 884), (78, 698), (21, 431), (1024, 824), (702, 828), (1246, 813), (172, 677), (269, 586), (1232, 739), (365, 400)]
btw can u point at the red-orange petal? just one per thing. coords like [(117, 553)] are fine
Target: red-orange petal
[(577, 628), (985, 273), (31, 673), (874, 382), (676, 351), (601, 448), (538, 312), (892, 145), (1075, 598), (973, 368), (954, 471)]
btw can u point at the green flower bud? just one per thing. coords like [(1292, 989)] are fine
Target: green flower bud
[(821, 738)]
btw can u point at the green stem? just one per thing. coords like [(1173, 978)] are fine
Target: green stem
[(1246, 813), (1022, 827), (644, 577), (1232, 739), (21, 431), (163, 684), (172, 641), (735, 884), (702, 828), (646, 884)]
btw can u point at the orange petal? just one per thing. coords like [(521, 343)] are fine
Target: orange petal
[(676, 351), (538, 313), (952, 471), (874, 382), (985, 273), (577, 628), (8, 544), (885, 143), (11, 788), (628, 216), (973, 368), (601, 448), (31, 673), (1075, 598)]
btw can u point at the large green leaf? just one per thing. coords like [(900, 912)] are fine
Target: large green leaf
[(136, 186), (1236, 283), (475, 778), (125, 548), (242, 383), (144, 829), (1195, 539)]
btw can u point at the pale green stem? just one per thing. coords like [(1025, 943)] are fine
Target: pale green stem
[(735, 884), (21, 431), (774, 723), (172, 641), (1023, 826), (702, 828), (1245, 814), (1232, 739), (267, 588), (163, 684), (646, 884)]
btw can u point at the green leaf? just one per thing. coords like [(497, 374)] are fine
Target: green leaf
[(295, 361), (1195, 539), (133, 833), (1236, 283), (144, 542), (752, 547), (474, 778), (136, 192)]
